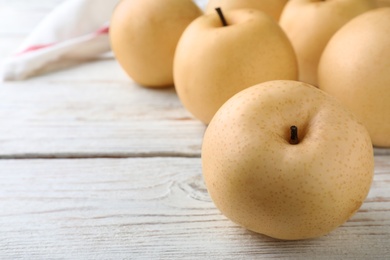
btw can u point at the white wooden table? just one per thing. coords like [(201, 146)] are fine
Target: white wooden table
[(93, 166)]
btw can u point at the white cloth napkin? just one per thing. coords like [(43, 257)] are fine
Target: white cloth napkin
[(74, 32)]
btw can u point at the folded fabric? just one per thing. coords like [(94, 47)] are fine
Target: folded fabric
[(74, 32)]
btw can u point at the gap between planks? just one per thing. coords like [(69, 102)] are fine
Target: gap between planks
[(121, 155), (99, 156)]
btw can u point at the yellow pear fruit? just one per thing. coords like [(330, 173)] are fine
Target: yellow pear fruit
[(310, 24), (286, 160), (383, 3), (271, 7), (355, 68), (213, 62), (144, 35)]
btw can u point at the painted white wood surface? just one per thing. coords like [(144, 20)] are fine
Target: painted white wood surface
[(156, 208), (76, 118), (93, 166)]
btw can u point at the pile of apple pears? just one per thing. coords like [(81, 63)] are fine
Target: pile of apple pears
[(295, 95)]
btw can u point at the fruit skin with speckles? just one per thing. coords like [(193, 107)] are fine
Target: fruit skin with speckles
[(144, 35), (213, 62), (310, 24), (358, 75), (287, 191)]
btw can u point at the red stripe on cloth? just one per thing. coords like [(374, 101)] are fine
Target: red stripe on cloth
[(100, 31), (34, 48), (103, 30)]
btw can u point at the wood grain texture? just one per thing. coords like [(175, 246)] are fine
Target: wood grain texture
[(156, 208), (76, 118)]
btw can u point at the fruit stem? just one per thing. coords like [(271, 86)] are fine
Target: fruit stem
[(294, 135), (219, 11)]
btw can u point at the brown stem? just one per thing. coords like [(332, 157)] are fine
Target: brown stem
[(219, 11), (294, 135)]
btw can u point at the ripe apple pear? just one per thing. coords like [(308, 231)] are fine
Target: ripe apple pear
[(383, 3), (310, 24), (213, 62), (271, 7), (355, 69), (285, 159), (144, 35)]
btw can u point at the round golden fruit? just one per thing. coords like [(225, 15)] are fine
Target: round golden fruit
[(289, 185), (355, 69), (144, 35), (213, 62)]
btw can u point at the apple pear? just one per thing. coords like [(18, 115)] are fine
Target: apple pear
[(144, 35), (310, 24), (383, 3), (213, 62), (271, 7), (285, 159), (355, 69)]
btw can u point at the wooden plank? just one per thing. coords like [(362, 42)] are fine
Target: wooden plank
[(381, 151), (77, 118), (156, 208)]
